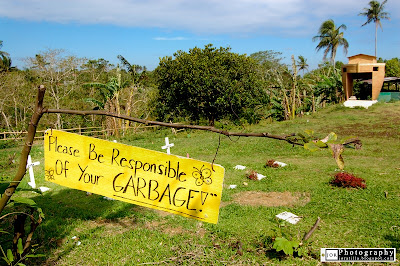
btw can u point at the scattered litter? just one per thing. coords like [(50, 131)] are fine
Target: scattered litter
[(252, 174), (240, 167), (232, 186), (260, 176), (289, 217), (281, 164), (274, 164), (76, 240), (44, 189), (107, 198), (245, 183)]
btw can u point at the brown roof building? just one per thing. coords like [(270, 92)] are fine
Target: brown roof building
[(363, 67)]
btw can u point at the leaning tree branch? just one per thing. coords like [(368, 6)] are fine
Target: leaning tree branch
[(37, 114), (174, 125)]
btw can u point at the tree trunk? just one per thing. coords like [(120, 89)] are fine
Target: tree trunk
[(294, 88), (37, 114), (376, 37), (128, 107), (6, 120)]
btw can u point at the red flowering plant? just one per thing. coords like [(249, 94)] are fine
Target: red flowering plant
[(344, 179)]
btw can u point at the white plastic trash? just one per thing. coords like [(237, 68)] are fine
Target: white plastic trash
[(240, 167), (260, 176), (289, 217), (280, 164), (44, 189)]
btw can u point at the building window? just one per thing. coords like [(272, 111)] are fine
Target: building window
[(375, 68), (344, 70)]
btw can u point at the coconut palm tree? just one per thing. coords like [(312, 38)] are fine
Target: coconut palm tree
[(5, 63), (302, 63), (5, 60), (330, 38), (375, 13)]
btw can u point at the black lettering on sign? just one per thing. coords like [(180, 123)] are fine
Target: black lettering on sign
[(203, 200), (167, 195), (54, 145), (61, 167), (114, 156), (190, 196), (153, 190), (181, 201), (93, 154), (115, 187), (88, 177), (131, 184), (138, 187), (123, 162)]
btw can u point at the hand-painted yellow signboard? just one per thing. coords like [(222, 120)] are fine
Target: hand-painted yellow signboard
[(175, 184)]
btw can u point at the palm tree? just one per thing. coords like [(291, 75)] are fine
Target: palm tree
[(330, 38), (375, 14), (109, 99), (302, 63), (5, 60), (5, 63)]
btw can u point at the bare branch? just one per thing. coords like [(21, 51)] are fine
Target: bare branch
[(309, 233), (173, 125)]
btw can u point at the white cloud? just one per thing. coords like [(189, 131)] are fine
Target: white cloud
[(238, 17), (170, 38)]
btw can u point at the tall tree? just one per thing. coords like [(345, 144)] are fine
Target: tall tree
[(330, 38), (5, 60), (59, 73), (136, 77), (375, 13), (302, 63)]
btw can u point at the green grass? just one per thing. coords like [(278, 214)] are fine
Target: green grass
[(117, 233)]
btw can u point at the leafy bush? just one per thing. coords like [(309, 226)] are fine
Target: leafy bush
[(210, 84)]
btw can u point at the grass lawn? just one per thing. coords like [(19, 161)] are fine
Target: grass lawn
[(118, 233)]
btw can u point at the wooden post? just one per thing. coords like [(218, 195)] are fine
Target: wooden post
[(37, 114)]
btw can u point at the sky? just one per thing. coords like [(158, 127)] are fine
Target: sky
[(145, 31)]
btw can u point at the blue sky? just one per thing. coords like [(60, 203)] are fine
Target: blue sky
[(143, 31)]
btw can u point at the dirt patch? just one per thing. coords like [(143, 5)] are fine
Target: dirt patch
[(271, 199), (119, 225)]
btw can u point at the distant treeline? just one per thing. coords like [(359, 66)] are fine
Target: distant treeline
[(206, 86)]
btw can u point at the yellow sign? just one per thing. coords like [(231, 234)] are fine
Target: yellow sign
[(175, 184)]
